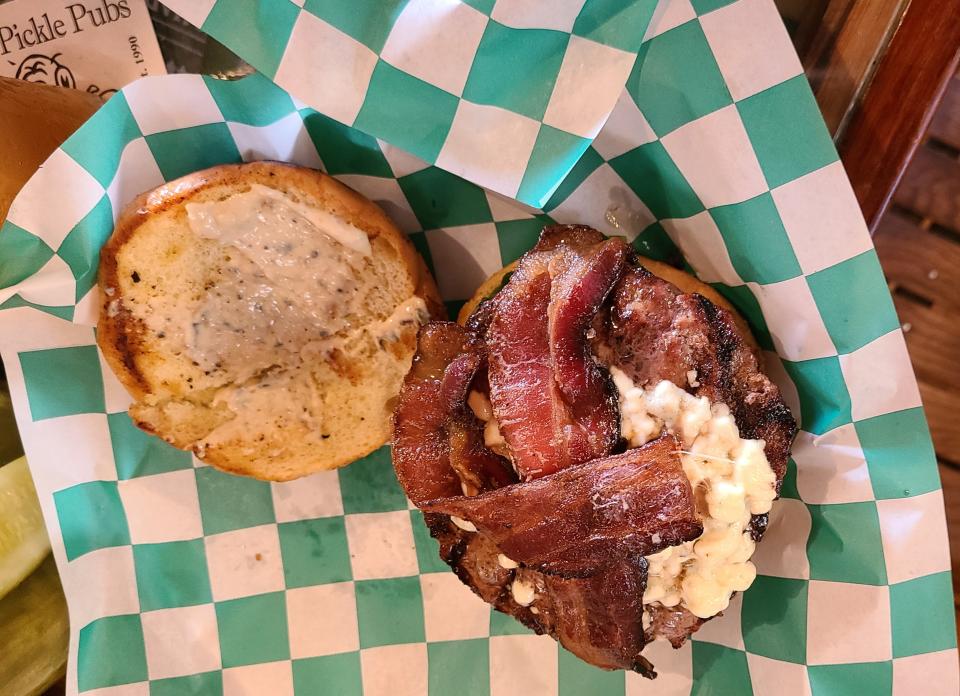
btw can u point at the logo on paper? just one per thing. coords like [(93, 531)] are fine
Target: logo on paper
[(46, 70), (75, 18)]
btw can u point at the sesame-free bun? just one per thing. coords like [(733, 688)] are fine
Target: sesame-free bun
[(296, 413)]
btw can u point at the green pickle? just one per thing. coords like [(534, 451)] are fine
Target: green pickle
[(34, 630), (34, 633), (10, 447), (23, 538)]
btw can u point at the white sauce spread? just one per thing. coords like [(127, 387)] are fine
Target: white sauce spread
[(215, 216), (290, 278), (480, 404), (287, 295), (410, 311), (281, 396), (732, 480), (465, 525), (523, 592)]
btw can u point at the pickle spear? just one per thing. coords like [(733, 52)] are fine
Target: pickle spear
[(23, 538), (33, 633), (10, 447)]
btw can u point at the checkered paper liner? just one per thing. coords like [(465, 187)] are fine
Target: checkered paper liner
[(183, 580), (506, 93)]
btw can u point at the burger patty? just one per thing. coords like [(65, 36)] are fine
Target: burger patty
[(653, 331), (576, 518)]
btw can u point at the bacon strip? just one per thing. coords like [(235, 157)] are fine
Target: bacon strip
[(598, 618), (554, 405), (522, 391), (436, 437), (576, 297), (579, 238), (582, 522), (582, 518)]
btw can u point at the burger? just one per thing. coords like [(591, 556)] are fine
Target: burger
[(595, 446)]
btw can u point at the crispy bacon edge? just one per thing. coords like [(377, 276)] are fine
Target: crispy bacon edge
[(576, 521), (437, 441)]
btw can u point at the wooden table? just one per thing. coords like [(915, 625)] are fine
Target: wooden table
[(36, 119), (878, 69), (884, 75), (918, 241)]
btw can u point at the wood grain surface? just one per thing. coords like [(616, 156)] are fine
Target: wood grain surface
[(922, 269), (918, 242), (945, 126), (885, 129), (931, 188), (941, 405), (950, 478), (840, 44)]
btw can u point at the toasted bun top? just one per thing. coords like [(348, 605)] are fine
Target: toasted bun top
[(299, 372)]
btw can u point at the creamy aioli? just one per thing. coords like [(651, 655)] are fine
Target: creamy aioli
[(480, 404), (290, 277), (288, 294), (218, 217), (733, 481), (411, 311), (284, 396), (523, 592)]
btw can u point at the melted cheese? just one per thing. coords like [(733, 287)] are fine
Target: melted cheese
[(732, 480)]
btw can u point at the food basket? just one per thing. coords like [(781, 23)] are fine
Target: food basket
[(184, 580)]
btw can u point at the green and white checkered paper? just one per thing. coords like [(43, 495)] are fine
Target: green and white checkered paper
[(507, 93), (183, 580)]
